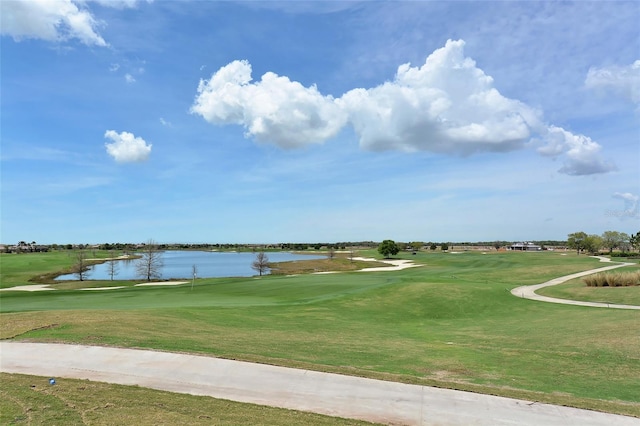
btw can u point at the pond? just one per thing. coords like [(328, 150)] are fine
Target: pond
[(179, 264)]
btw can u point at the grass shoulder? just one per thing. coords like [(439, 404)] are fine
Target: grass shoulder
[(31, 400)]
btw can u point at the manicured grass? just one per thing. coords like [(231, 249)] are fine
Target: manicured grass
[(339, 263), (577, 290), (31, 400), (451, 323), (30, 268)]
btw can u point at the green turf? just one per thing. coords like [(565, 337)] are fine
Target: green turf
[(577, 290), (30, 400), (451, 322), (29, 268)]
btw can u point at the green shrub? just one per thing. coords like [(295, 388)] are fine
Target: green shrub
[(627, 254)]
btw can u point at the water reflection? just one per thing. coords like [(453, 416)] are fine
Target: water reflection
[(179, 264)]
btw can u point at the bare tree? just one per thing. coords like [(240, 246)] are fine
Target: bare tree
[(352, 254), (332, 252), (149, 266), (81, 267), (112, 268), (261, 264)]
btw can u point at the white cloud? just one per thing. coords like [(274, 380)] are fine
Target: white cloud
[(129, 78), (448, 105), (165, 122), (581, 154), (120, 4), (114, 67), (631, 204), (50, 20), (627, 196), (624, 81), (126, 148), (274, 109)]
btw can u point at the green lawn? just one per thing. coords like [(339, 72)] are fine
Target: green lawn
[(577, 290), (450, 323), (30, 268), (31, 400)]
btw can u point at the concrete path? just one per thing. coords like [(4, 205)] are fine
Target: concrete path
[(331, 394), (529, 291)]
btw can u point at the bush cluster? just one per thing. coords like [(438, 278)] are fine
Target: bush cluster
[(629, 254), (624, 279)]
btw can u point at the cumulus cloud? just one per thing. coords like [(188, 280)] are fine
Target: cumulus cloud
[(448, 105), (581, 154), (50, 20), (129, 78), (126, 147), (623, 81), (275, 109), (56, 20)]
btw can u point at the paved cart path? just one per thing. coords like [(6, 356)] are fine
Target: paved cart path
[(529, 291), (325, 393)]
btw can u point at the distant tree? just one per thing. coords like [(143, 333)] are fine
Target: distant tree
[(352, 254), (112, 268), (149, 266), (624, 244), (592, 244), (81, 267), (444, 247), (576, 241), (497, 245), (417, 245), (433, 246), (613, 239), (388, 248), (261, 263), (634, 241), (21, 246), (331, 252)]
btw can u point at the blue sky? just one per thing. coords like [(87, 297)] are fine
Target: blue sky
[(329, 121)]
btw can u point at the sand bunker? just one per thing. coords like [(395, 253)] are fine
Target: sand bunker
[(162, 283), (396, 265), (102, 288), (35, 287)]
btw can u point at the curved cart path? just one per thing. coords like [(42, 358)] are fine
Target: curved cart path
[(325, 393), (529, 291)]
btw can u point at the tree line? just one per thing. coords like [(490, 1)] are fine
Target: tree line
[(609, 240)]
